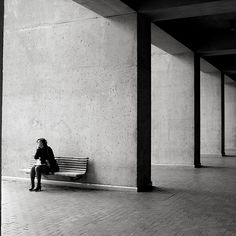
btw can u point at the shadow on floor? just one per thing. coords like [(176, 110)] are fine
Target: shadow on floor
[(217, 167)]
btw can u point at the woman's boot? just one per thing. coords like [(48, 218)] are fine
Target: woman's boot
[(38, 188)]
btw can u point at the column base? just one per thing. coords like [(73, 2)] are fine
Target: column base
[(198, 165), (145, 188)]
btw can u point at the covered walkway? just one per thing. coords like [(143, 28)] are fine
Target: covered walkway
[(187, 202)]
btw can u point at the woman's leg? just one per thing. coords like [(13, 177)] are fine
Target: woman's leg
[(38, 175), (32, 177), (39, 170)]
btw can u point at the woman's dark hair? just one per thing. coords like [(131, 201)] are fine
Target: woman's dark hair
[(44, 142)]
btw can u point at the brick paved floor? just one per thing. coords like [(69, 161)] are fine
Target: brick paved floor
[(187, 202)]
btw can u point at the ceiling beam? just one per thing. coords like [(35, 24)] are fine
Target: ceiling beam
[(220, 44), (216, 52), (150, 4), (230, 73), (177, 9), (230, 70), (225, 64), (106, 8)]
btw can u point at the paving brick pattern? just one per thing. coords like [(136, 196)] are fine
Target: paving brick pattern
[(186, 201)]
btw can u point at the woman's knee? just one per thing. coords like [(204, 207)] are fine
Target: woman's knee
[(38, 169), (32, 169)]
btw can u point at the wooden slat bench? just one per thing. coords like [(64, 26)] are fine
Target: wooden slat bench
[(73, 167)]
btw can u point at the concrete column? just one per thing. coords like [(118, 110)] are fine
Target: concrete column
[(222, 114), (144, 103), (197, 109)]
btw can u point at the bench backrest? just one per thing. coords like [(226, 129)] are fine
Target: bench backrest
[(72, 164)]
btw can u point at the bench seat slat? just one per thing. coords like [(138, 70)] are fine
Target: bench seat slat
[(70, 166), (70, 163), (73, 160), (69, 174), (79, 158), (72, 169), (74, 164), (61, 173), (80, 166), (70, 159), (75, 172)]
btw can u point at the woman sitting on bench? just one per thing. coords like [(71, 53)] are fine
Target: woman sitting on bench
[(45, 163)]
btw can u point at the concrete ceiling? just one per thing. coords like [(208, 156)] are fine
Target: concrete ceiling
[(207, 27)]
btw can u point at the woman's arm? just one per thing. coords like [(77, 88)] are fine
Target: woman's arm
[(37, 154), (50, 153)]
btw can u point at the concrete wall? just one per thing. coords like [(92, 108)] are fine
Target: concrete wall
[(172, 108), (70, 76), (210, 113), (230, 117)]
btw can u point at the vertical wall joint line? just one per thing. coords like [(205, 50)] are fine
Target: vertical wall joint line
[(1, 81), (197, 110), (222, 114)]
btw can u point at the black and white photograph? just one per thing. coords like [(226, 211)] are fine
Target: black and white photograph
[(118, 117)]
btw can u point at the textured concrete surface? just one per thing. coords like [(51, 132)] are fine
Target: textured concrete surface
[(211, 113), (70, 76), (187, 201), (230, 117), (172, 108)]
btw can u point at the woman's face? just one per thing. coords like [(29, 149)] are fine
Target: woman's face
[(40, 144)]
